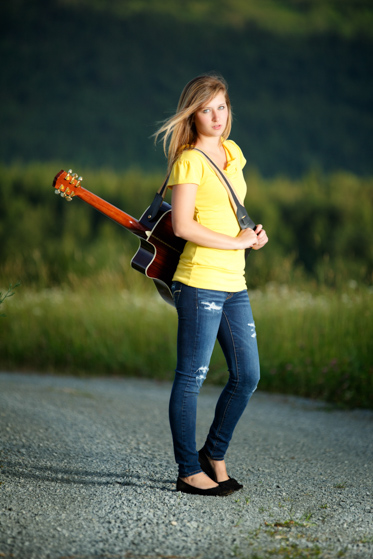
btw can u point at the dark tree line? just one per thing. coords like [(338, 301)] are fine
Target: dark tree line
[(87, 88)]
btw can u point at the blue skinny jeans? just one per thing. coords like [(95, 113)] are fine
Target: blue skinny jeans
[(204, 316)]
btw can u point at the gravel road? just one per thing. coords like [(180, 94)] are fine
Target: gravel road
[(87, 471)]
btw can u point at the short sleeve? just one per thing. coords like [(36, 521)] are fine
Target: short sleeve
[(188, 169)]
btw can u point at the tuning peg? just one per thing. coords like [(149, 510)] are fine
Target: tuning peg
[(69, 172), (79, 180), (57, 191), (70, 197)]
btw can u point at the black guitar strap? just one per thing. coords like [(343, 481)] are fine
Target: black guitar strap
[(157, 201), (243, 218)]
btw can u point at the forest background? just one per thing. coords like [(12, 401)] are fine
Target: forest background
[(84, 84)]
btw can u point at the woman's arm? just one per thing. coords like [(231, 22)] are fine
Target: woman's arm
[(186, 227)]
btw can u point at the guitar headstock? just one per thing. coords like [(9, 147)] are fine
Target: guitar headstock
[(66, 183)]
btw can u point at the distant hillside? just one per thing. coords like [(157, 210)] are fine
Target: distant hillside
[(347, 18), (84, 84)]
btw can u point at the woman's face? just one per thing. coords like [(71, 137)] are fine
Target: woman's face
[(211, 119)]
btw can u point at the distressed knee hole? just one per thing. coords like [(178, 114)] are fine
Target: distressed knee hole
[(251, 325), (201, 374)]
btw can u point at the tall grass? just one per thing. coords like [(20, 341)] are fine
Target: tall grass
[(311, 344), (81, 309), (8, 293), (317, 344)]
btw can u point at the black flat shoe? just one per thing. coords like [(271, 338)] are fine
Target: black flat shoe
[(230, 483), (209, 470), (218, 491)]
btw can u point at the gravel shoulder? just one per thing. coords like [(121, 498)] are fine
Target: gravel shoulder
[(87, 471)]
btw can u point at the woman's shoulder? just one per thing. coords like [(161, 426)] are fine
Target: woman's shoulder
[(235, 151), (190, 159), (189, 155), (188, 168)]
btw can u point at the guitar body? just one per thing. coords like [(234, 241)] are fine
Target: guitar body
[(159, 251), (158, 255)]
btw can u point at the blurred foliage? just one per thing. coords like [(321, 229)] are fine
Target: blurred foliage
[(345, 17), (320, 227), (83, 309), (8, 293), (85, 82)]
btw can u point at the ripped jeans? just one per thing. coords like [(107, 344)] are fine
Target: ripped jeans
[(204, 316)]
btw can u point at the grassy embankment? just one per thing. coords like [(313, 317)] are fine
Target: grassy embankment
[(316, 345), (81, 309)]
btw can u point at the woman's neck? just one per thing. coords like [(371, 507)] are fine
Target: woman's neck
[(214, 149), (211, 145)]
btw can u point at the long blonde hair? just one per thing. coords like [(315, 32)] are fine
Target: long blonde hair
[(179, 130)]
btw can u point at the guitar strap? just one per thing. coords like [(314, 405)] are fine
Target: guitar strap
[(243, 218), (157, 201), (239, 209)]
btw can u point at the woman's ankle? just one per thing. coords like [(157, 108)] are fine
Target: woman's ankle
[(200, 480), (220, 469)]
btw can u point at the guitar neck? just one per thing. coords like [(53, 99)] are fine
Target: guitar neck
[(117, 215), (69, 186)]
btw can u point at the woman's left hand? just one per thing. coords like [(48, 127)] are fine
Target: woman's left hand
[(261, 236)]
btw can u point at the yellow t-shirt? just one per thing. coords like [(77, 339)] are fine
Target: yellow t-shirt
[(211, 268)]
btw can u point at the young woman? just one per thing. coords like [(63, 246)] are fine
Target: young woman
[(209, 286)]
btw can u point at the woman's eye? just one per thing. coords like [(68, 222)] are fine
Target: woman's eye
[(222, 107), (206, 110)]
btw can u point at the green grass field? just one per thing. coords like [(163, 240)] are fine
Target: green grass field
[(313, 344), (81, 308)]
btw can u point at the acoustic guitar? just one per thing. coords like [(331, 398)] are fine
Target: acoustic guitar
[(159, 250)]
